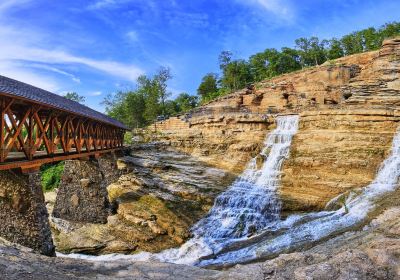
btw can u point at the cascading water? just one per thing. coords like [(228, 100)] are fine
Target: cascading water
[(299, 230), (250, 203)]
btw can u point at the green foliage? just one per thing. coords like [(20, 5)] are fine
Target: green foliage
[(128, 137), (335, 49), (214, 95), (237, 73), (311, 51), (186, 102), (138, 108), (208, 85), (75, 97), (181, 104), (51, 175)]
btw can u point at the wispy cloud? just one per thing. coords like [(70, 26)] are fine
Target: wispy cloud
[(132, 36), (102, 4), (55, 70), (95, 93), (22, 48), (14, 70), (6, 4), (283, 9)]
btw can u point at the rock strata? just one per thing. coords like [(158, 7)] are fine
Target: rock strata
[(349, 111), (160, 195)]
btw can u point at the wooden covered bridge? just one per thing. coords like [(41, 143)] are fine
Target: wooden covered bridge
[(39, 127)]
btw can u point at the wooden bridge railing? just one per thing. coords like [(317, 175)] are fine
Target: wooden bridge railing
[(32, 134)]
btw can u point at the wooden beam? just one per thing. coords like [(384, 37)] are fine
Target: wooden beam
[(40, 161)]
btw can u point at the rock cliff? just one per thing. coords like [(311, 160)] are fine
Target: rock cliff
[(349, 112)]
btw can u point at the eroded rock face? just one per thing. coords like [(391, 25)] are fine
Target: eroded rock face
[(227, 140), (368, 253), (156, 201), (23, 214), (334, 152), (349, 111)]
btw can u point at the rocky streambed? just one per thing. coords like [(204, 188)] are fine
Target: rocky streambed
[(160, 195), (371, 252)]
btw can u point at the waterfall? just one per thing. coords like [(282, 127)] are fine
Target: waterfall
[(250, 204), (299, 230), (247, 206)]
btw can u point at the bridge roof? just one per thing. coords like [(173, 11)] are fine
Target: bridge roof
[(22, 90)]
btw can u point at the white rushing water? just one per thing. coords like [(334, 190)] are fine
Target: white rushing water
[(250, 204), (300, 230)]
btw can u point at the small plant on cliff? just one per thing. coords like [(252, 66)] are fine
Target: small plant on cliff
[(51, 175)]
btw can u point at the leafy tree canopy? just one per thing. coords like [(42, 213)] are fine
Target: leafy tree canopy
[(75, 97)]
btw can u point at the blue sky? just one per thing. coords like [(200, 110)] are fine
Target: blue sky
[(96, 47)]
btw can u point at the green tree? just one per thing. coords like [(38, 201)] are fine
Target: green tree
[(288, 61), (371, 39), (208, 85), (312, 51), (186, 102), (236, 75), (140, 107), (160, 79), (352, 43), (75, 97), (334, 49), (389, 30), (224, 59), (259, 66)]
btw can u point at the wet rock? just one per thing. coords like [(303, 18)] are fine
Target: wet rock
[(155, 203)]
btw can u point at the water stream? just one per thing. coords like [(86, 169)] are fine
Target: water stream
[(250, 207)]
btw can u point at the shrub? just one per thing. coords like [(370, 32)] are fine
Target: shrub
[(51, 175)]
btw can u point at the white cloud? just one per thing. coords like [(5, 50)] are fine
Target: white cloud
[(7, 4), (55, 70), (132, 36), (22, 48), (95, 93), (24, 52), (281, 8), (15, 71), (101, 4)]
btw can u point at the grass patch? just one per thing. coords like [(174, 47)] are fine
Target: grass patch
[(51, 175)]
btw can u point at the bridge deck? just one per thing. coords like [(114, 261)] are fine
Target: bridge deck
[(39, 127)]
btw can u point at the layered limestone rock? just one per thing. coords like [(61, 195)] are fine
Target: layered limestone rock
[(334, 152), (226, 141), (156, 201), (349, 111), (371, 252)]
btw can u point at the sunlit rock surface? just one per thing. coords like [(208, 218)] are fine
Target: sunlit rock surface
[(371, 252), (159, 197), (349, 111)]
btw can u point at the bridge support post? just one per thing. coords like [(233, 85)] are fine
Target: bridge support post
[(23, 214), (82, 194)]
